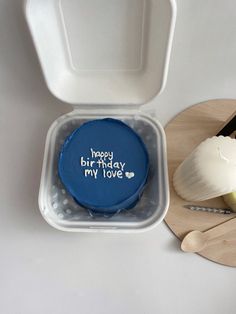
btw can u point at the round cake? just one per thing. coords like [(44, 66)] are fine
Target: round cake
[(104, 165)]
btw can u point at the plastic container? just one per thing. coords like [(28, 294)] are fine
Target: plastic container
[(107, 58)]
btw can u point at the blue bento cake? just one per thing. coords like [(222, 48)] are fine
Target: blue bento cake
[(104, 165)]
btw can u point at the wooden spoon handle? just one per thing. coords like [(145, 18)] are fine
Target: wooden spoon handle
[(221, 229)]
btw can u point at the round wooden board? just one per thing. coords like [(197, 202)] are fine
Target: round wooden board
[(184, 133)]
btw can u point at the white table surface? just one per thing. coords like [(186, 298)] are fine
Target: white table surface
[(45, 271)]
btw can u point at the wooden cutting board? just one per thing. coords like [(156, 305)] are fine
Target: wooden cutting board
[(184, 133)]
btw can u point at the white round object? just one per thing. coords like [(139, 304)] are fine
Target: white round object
[(209, 171)]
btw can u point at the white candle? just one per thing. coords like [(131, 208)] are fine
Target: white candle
[(209, 171)]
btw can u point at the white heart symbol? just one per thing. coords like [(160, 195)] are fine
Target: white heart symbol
[(129, 175)]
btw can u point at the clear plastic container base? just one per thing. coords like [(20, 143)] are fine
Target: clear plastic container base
[(61, 211)]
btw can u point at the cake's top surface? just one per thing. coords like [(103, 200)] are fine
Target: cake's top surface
[(104, 165)]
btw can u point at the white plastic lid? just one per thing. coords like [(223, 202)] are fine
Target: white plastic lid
[(103, 51)]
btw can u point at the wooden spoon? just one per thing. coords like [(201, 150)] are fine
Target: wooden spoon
[(195, 241)]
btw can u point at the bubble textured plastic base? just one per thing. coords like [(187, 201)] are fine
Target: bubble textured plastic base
[(60, 209)]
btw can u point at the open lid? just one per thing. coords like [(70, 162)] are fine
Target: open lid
[(103, 51)]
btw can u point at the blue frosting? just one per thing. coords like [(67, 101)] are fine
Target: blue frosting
[(104, 166)]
